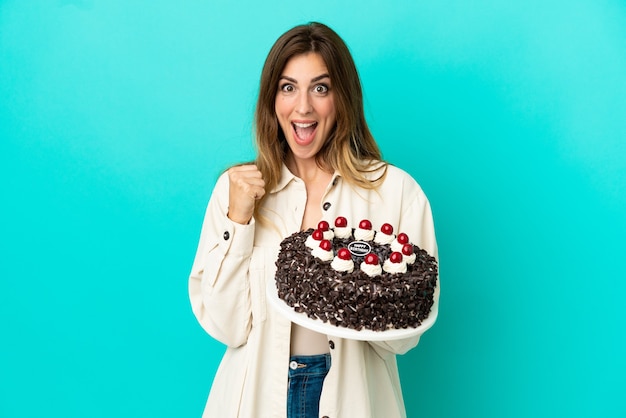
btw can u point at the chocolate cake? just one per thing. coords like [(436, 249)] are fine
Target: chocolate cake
[(356, 277)]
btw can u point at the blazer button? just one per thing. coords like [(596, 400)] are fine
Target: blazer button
[(326, 206), (331, 344), (226, 235)]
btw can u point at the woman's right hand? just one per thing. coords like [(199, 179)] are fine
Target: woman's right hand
[(246, 187)]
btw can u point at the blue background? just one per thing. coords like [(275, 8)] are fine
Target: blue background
[(117, 116)]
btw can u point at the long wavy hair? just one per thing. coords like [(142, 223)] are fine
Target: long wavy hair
[(350, 148)]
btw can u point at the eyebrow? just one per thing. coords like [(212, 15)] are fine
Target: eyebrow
[(313, 80)]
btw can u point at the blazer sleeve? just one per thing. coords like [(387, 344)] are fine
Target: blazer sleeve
[(416, 221), (219, 288)]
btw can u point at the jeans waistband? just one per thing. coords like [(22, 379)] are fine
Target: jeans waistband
[(309, 365)]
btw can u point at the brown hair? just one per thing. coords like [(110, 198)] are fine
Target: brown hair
[(350, 148)]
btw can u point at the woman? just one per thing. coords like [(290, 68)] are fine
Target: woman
[(316, 160)]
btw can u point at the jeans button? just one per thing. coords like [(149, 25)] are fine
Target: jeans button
[(293, 365)]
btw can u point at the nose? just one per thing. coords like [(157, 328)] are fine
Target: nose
[(303, 106)]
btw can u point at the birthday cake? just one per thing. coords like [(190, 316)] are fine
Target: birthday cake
[(356, 278)]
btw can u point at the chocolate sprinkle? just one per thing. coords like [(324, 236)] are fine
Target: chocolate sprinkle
[(355, 300)]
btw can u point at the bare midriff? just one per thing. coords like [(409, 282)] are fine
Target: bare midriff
[(305, 342)]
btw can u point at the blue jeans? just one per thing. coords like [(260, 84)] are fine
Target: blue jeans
[(306, 377)]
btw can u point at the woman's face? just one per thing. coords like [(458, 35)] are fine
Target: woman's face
[(305, 104)]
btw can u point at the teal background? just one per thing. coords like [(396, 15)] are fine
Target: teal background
[(117, 116)]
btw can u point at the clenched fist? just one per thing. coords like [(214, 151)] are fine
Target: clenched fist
[(246, 187)]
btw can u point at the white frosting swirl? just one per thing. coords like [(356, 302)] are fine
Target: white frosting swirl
[(343, 232), (342, 265), (322, 254), (311, 242), (363, 234), (371, 269), (396, 246), (382, 238), (329, 234), (394, 268), (410, 259)]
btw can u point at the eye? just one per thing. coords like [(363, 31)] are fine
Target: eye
[(321, 89), (287, 88)]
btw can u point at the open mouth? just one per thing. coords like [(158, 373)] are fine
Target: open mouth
[(304, 132)]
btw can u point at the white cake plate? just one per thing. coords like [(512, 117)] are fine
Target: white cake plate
[(342, 332)]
